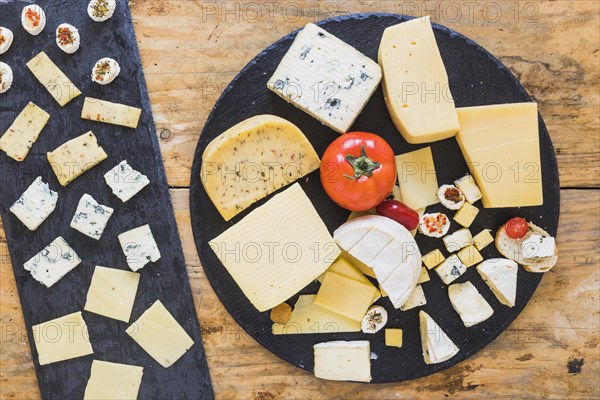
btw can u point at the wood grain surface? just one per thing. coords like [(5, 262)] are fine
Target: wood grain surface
[(192, 49)]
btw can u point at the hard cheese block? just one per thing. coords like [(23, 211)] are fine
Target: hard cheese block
[(341, 266), (326, 78), (501, 146), (437, 346), (110, 113), (62, 339), (343, 361), (53, 79), (415, 83), (53, 262), (139, 247), (110, 381), (253, 159), (272, 258), (22, 134), (91, 217), (35, 204), (112, 293), (345, 296), (417, 178), (124, 181)]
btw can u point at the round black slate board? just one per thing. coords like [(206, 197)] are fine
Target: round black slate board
[(476, 78)]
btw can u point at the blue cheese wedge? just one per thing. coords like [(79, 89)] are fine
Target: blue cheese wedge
[(110, 113), (326, 78), (35, 204), (437, 346), (53, 262), (6, 77), (139, 247), (91, 217), (450, 269), (25, 130), (60, 87), (124, 181), (343, 361)]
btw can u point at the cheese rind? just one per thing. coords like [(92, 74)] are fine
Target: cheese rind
[(53, 79), (139, 247), (417, 178), (343, 361), (500, 274), (415, 83), (112, 293), (52, 263), (35, 204), (326, 78), (437, 346), (91, 217), (22, 134), (110, 113), (124, 181), (62, 339), (469, 304), (109, 381)]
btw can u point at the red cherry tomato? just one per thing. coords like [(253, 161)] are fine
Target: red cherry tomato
[(358, 170), (516, 228), (400, 213)]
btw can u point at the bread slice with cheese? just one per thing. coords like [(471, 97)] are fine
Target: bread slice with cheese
[(437, 346), (500, 274), (512, 249)]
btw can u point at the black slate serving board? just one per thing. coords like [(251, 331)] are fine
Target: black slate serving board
[(165, 279), (476, 78)]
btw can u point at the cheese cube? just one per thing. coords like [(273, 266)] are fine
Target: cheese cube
[(469, 256), (53, 79), (424, 277), (124, 181), (393, 337), (450, 269), (35, 204), (537, 246), (416, 299), (22, 134), (467, 185), (109, 381), (343, 361), (482, 239), (62, 339), (466, 215), (345, 296), (91, 217), (417, 178), (53, 262), (415, 83), (112, 293), (326, 78), (459, 239), (110, 113), (433, 258), (139, 247)]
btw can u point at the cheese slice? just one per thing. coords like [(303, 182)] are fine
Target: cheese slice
[(416, 299), (270, 253), (139, 247), (22, 134), (437, 346), (310, 318), (112, 293), (469, 304), (417, 178), (253, 159), (91, 217), (110, 113), (62, 339), (160, 335), (501, 146), (500, 274), (109, 381), (35, 204), (343, 361), (341, 266), (75, 157), (415, 83), (52, 263), (345, 296), (124, 181), (53, 79)]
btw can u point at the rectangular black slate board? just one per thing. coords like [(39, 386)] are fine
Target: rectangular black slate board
[(165, 279)]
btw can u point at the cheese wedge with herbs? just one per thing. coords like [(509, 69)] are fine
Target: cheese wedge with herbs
[(75, 157), (253, 159), (110, 113), (22, 134), (53, 79)]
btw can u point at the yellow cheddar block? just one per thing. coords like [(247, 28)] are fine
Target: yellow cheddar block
[(417, 178), (424, 277), (433, 259), (345, 296), (466, 215), (393, 337), (469, 256), (482, 239)]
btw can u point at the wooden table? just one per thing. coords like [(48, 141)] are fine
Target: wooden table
[(192, 49)]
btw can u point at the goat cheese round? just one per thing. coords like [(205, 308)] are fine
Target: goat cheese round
[(33, 19), (451, 197), (101, 10), (6, 39), (105, 71), (67, 38), (434, 225), (374, 320), (6, 77)]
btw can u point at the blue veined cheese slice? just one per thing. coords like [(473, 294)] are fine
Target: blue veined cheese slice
[(450, 269), (53, 262), (437, 346), (124, 181), (35, 204), (91, 217), (326, 78), (24, 131), (139, 247)]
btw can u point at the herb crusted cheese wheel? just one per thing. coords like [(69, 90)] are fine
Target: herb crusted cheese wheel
[(252, 159)]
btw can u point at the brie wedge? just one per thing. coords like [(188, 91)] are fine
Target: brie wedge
[(437, 346), (469, 304), (500, 274)]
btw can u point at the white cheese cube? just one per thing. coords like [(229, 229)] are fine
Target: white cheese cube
[(416, 299), (326, 78), (139, 247), (467, 185), (124, 181), (91, 217), (537, 246), (450, 269), (343, 361), (53, 262), (459, 239), (35, 204)]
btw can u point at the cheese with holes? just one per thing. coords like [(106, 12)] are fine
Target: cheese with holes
[(501, 146), (62, 339), (343, 361), (415, 83), (91, 217), (53, 262), (109, 381), (253, 159), (500, 274), (437, 346), (53, 79), (139, 247), (75, 157), (272, 258), (345, 296), (417, 178), (124, 181), (112, 293), (326, 78), (469, 304), (110, 113), (35, 204), (22, 134)]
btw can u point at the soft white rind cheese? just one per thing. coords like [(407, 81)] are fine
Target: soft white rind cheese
[(105, 71), (437, 346), (53, 262), (33, 19), (124, 181), (343, 361), (72, 47), (500, 274), (23, 133), (101, 10), (113, 381), (139, 247), (91, 217), (35, 204), (6, 39), (6, 77), (469, 304), (326, 78)]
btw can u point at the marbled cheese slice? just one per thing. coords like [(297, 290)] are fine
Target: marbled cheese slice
[(91, 217), (110, 113), (109, 381), (139, 247), (35, 204), (53, 79), (53, 262), (124, 181), (75, 157), (22, 134)]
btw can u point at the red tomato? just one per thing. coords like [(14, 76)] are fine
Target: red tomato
[(358, 170), (399, 212), (516, 228)]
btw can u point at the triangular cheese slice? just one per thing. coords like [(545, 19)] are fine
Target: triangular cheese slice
[(500, 274), (437, 346)]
